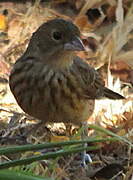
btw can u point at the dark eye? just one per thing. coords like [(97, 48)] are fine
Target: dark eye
[(57, 35)]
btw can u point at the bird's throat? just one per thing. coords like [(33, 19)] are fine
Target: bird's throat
[(62, 60)]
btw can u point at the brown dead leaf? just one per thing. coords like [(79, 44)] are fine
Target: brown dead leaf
[(83, 23), (122, 70), (60, 172), (4, 67), (129, 120), (126, 57), (3, 22), (59, 138), (122, 132)]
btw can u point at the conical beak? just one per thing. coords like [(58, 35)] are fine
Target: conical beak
[(74, 45)]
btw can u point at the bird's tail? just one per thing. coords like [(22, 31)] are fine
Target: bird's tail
[(112, 95)]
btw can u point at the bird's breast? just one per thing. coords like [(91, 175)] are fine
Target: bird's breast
[(49, 95)]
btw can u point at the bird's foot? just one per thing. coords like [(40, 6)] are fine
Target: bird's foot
[(86, 159)]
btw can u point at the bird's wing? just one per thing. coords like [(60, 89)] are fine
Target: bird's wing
[(95, 86)]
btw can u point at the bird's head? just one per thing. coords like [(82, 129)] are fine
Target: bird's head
[(56, 37)]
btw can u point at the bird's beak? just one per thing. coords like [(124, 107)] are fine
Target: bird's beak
[(74, 45)]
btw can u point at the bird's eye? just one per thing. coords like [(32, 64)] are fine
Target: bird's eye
[(57, 35)]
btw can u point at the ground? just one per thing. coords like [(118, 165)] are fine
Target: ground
[(107, 33)]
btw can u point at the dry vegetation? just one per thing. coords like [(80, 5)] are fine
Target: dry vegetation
[(107, 32)]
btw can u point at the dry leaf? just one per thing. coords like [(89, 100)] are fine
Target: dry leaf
[(3, 22), (59, 138)]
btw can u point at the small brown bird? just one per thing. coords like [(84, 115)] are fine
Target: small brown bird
[(51, 83)]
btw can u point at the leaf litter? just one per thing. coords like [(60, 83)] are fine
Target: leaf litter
[(110, 25)]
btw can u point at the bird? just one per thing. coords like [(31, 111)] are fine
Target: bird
[(51, 83)]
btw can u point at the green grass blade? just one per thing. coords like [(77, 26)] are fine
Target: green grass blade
[(98, 128), (45, 156), (13, 175), (32, 147)]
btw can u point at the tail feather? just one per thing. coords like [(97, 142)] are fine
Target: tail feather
[(112, 95)]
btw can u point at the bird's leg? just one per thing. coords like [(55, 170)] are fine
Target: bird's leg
[(85, 157)]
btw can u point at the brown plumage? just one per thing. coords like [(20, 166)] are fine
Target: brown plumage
[(51, 83)]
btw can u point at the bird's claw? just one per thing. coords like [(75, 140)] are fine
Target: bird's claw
[(85, 159)]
